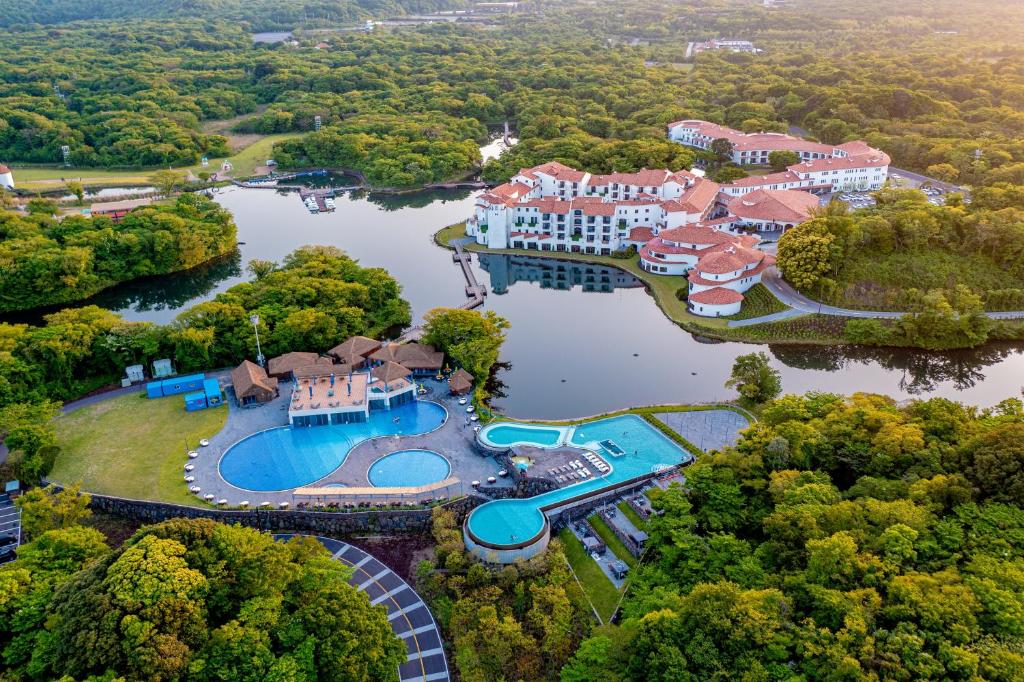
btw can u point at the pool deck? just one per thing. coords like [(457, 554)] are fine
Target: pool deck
[(454, 440)]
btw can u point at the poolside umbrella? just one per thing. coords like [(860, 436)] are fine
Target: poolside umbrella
[(332, 379), (310, 390)]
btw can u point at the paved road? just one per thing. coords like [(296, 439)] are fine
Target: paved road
[(408, 614), (794, 299), (921, 179)]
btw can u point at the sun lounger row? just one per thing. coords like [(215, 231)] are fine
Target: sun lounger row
[(597, 462)]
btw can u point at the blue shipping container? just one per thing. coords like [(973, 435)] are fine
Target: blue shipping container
[(154, 389), (193, 382), (195, 401), (212, 390)]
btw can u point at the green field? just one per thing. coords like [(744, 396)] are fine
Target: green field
[(612, 540), (631, 514), (132, 447), (244, 164), (598, 588), (877, 281), (758, 301)]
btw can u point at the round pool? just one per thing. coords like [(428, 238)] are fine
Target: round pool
[(287, 457), (408, 468)]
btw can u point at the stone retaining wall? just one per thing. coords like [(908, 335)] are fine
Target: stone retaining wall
[(320, 523)]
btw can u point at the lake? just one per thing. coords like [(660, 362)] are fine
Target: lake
[(583, 339)]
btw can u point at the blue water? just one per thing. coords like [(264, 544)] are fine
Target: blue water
[(505, 435), (408, 468), (647, 450), (285, 458)]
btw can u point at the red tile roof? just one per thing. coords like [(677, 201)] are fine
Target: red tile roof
[(696, 234), (716, 296), (641, 234), (777, 205)]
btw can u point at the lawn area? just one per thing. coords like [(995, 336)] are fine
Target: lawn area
[(133, 447), (758, 301), (612, 540), (878, 281), (48, 177), (631, 514), (598, 588)]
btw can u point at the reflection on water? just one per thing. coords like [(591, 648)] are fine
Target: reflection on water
[(584, 339), (919, 372), (506, 270)]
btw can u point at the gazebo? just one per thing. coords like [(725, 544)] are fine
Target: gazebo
[(354, 351), (390, 372), (460, 382)]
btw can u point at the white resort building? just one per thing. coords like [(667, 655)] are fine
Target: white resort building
[(681, 223), (822, 167)]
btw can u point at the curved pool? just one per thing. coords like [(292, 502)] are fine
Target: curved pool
[(408, 468), (286, 457), (504, 435)]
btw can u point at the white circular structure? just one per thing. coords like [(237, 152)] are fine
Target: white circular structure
[(6, 177)]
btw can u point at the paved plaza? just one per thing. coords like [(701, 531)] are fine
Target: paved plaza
[(707, 429)]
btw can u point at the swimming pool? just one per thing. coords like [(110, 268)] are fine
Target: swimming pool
[(646, 450), (504, 435), (408, 468), (286, 457)]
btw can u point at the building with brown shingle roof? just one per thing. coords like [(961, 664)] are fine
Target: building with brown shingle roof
[(460, 382), (355, 350), (282, 366), (252, 385)]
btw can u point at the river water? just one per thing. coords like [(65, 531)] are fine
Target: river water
[(583, 339)]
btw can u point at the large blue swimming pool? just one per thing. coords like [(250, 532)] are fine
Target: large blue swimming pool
[(285, 458), (646, 450), (407, 468)]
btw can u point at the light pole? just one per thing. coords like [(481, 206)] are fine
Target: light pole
[(255, 319)]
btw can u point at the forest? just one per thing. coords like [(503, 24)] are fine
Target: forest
[(47, 261), (259, 15), (182, 600), (406, 106), (843, 538)]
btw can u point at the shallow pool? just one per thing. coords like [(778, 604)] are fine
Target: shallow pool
[(285, 458), (506, 435), (408, 468), (646, 450)]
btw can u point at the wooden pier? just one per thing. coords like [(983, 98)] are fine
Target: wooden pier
[(474, 292)]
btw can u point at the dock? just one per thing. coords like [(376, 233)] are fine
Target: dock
[(474, 292)]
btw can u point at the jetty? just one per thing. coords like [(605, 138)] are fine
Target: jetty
[(474, 292)]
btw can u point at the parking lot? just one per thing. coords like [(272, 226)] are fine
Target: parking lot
[(865, 200)]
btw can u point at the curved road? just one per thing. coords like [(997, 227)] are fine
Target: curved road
[(408, 614), (802, 305)]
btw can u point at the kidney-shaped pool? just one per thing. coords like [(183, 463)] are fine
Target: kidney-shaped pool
[(286, 457)]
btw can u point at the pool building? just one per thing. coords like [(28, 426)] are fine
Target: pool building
[(328, 394)]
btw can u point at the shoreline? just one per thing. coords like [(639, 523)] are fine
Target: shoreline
[(803, 329)]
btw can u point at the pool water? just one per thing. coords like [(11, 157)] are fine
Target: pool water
[(285, 458), (408, 468), (646, 450), (507, 435)]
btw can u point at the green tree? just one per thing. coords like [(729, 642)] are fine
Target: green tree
[(755, 379), (781, 160), (76, 188), (48, 509)]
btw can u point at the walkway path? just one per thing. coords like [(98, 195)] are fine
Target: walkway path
[(783, 291), (408, 614)]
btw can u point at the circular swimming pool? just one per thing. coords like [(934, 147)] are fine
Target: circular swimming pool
[(408, 468), (286, 457)]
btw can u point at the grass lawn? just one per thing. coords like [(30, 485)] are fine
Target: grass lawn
[(876, 281), (49, 177), (598, 588), (612, 540), (132, 447), (758, 301), (631, 514)]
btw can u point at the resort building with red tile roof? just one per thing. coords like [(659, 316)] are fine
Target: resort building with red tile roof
[(552, 207), (848, 166)]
